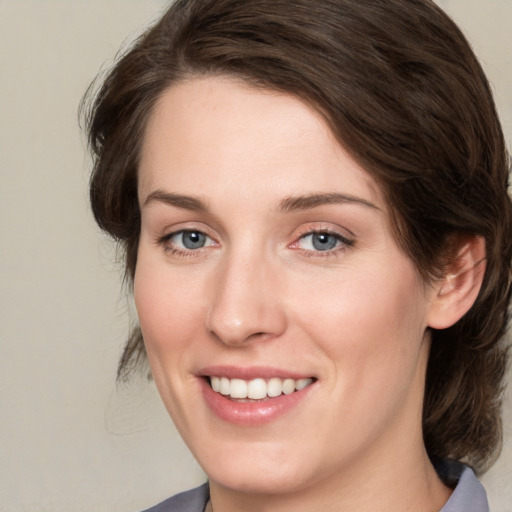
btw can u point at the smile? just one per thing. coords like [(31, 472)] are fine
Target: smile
[(257, 389), (254, 396)]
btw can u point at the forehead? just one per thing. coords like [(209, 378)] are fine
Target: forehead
[(207, 131)]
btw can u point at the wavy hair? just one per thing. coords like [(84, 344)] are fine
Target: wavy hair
[(402, 91)]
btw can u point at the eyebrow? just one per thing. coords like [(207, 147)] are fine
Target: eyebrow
[(177, 200), (308, 201), (289, 204)]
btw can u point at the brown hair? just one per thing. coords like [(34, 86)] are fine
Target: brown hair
[(401, 89)]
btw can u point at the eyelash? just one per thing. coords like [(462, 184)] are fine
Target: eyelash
[(343, 241), (165, 239)]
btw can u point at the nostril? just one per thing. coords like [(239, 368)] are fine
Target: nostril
[(237, 320)]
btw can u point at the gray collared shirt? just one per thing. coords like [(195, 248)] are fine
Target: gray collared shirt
[(468, 495)]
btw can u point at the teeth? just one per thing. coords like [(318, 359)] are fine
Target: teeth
[(257, 389), (302, 383), (238, 388), (215, 383), (288, 386), (274, 387)]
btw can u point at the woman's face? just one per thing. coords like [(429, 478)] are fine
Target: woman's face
[(266, 267)]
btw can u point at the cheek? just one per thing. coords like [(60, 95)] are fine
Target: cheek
[(150, 297), (169, 322), (165, 301), (167, 314), (371, 327)]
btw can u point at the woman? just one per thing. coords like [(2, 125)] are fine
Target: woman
[(312, 197)]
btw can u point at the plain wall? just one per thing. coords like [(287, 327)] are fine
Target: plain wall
[(70, 439)]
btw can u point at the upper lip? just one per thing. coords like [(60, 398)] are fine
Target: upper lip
[(250, 373)]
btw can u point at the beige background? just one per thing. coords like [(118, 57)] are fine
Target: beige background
[(70, 440)]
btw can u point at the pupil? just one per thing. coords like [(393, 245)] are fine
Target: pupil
[(193, 239), (324, 241)]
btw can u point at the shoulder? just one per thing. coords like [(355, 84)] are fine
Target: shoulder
[(468, 493), (189, 501)]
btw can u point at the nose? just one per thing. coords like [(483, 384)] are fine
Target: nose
[(246, 301)]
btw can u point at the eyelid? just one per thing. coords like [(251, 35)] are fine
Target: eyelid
[(347, 240), (170, 232), (175, 234), (320, 227)]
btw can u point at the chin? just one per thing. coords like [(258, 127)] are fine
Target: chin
[(260, 469), (261, 481)]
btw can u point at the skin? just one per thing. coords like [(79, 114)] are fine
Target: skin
[(259, 293)]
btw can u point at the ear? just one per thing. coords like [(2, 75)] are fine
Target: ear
[(456, 292)]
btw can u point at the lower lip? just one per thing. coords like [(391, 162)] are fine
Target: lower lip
[(251, 413)]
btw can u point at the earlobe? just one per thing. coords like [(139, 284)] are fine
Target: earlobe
[(456, 292)]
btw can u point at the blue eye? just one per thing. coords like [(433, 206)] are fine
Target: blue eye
[(190, 240), (322, 241)]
